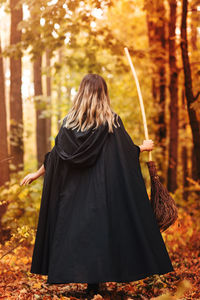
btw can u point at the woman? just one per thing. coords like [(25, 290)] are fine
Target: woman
[(95, 223)]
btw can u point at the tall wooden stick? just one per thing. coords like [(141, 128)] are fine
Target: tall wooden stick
[(140, 98)]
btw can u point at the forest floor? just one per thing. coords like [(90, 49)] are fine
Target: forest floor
[(183, 244)]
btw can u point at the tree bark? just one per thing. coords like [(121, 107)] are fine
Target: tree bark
[(59, 93), (195, 126), (151, 37), (48, 91), (40, 120), (161, 61), (173, 87), (16, 113), (156, 24), (194, 25), (184, 149), (5, 176)]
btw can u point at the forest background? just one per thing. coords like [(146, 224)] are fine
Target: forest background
[(46, 47)]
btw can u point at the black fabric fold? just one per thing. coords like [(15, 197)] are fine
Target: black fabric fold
[(80, 148), (46, 159)]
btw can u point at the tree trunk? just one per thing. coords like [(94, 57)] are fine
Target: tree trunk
[(59, 93), (157, 42), (4, 166), (184, 149), (194, 25), (151, 38), (161, 61), (3, 128), (173, 87), (16, 114), (40, 121), (195, 127), (48, 91)]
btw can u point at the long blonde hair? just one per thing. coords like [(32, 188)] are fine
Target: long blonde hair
[(91, 105)]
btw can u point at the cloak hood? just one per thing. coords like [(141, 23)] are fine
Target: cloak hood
[(80, 148)]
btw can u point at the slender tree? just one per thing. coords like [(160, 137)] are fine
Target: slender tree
[(59, 90), (173, 88), (184, 148), (40, 120), (4, 157), (37, 56), (194, 24), (193, 41), (16, 114), (156, 24), (3, 127), (48, 91), (195, 126)]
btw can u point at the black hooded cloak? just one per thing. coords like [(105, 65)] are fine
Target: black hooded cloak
[(96, 223)]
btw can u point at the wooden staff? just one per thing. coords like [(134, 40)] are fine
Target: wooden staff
[(163, 204), (140, 98)]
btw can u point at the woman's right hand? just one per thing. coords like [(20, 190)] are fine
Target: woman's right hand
[(147, 145), (29, 178), (32, 176)]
